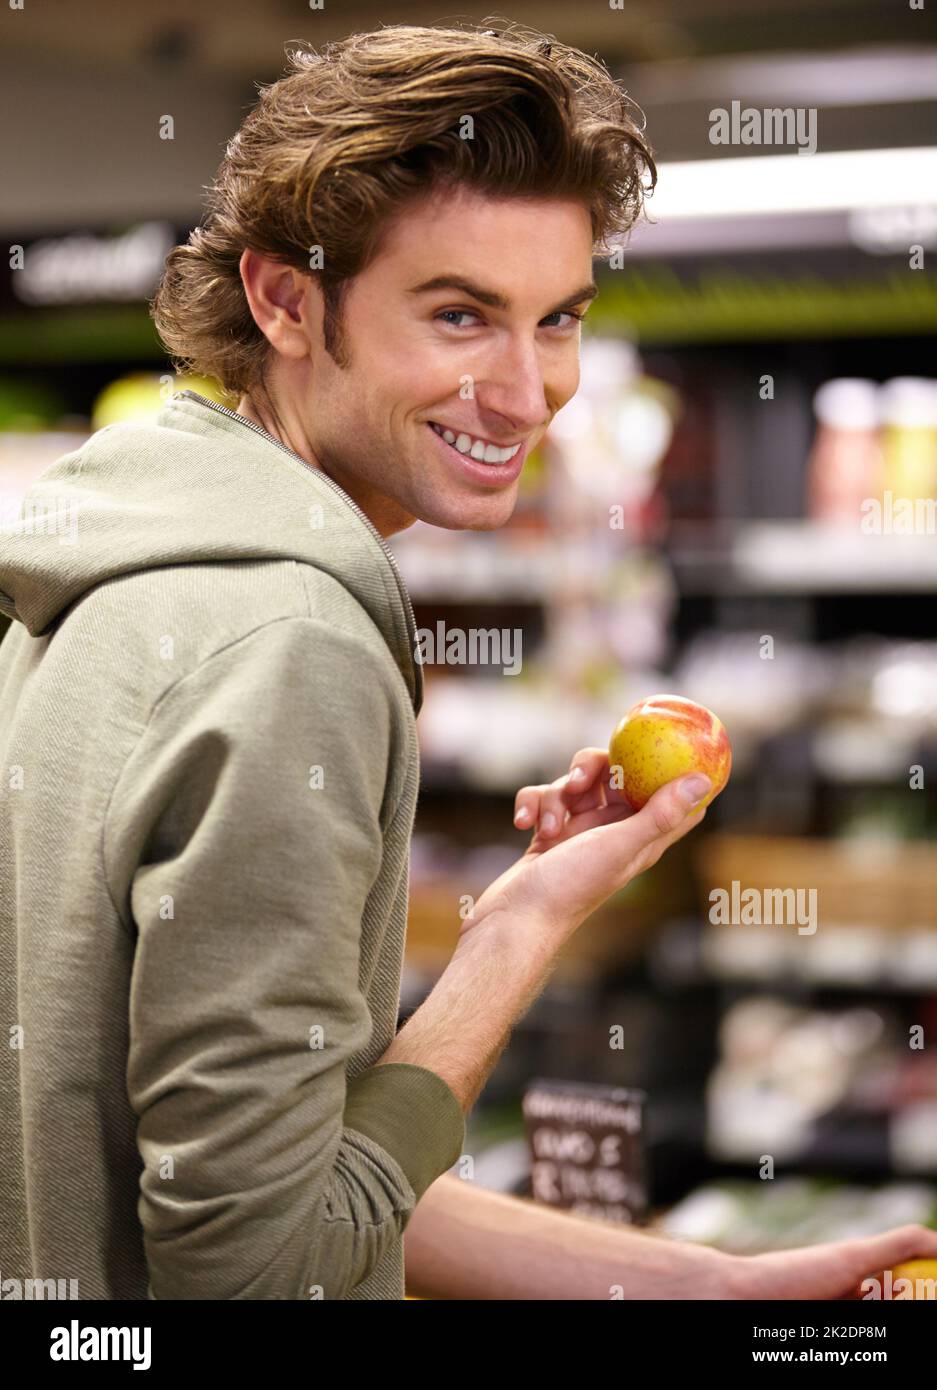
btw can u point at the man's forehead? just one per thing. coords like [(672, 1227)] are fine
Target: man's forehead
[(434, 256), (485, 294), (436, 211)]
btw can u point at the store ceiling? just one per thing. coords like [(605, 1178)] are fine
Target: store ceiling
[(239, 36), (85, 84)]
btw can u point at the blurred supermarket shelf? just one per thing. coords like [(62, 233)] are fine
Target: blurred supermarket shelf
[(853, 958), (487, 569), (801, 557), (781, 557)]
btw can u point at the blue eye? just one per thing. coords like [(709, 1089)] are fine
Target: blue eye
[(470, 313), (459, 313), (569, 313)]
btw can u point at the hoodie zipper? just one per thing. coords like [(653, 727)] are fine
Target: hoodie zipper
[(258, 429)]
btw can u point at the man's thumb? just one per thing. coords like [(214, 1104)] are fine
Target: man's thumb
[(668, 807)]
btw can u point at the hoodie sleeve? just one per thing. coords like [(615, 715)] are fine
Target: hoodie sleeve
[(264, 1175)]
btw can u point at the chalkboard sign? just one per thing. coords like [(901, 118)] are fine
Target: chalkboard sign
[(587, 1148)]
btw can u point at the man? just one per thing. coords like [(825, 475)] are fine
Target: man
[(208, 717)]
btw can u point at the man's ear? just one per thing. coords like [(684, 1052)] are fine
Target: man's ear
[(286, 304)]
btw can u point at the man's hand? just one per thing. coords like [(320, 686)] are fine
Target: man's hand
[(560, 884), (509, 943), (464, 1242), (556, 810), (830, 1271)]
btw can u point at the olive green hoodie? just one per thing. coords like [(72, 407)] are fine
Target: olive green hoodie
[(208, 777)]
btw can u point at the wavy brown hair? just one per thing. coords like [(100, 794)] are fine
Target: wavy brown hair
[(339, 145)]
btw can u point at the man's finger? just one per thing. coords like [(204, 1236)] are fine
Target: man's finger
[(527, 807), (611, 780), (903, 1243), (553, 807), (669, 807), (581, 789), (585, 769), (584, 788)]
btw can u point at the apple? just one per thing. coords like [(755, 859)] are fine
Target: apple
[(667, 736), (914, 1270)]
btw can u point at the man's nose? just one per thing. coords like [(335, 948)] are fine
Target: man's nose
[(515, 388)]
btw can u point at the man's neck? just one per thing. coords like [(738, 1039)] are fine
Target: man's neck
[(386, 515)]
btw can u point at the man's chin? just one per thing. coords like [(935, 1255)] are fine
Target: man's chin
[(470, 514), (403, 524), (468, 523), (487, 525)]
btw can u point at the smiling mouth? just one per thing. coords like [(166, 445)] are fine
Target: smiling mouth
[(477, 449)]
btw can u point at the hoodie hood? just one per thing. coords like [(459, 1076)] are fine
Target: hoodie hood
[(197, 484)]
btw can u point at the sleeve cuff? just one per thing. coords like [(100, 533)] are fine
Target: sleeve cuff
[(412, 1113)]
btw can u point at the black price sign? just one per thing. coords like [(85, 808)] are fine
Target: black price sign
[(587, 1148)]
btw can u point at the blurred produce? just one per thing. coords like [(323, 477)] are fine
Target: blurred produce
[(27, 405), (750, 1218), (788, 1076), (909, 415), (846, 460), (873, 440), (141, 395)]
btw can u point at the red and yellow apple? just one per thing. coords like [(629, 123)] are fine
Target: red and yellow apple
[(667, 736), (914, 1270)]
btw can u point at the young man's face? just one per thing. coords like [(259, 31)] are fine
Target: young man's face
[(424, 352)]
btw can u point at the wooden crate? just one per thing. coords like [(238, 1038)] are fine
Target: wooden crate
[(614, 935), (858, 883)]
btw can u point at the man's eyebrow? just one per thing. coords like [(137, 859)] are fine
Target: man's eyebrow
[(492, 298)]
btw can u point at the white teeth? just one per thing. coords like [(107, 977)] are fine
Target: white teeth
[(476, 448)]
